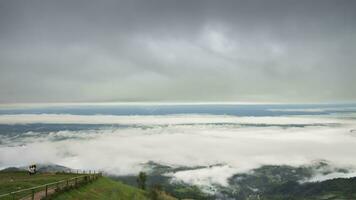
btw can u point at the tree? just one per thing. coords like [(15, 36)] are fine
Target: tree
[(141, 180)]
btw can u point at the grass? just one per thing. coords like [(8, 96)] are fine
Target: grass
[(104, 188), (12, 181)]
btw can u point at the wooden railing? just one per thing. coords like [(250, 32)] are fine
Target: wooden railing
[(43, 191)]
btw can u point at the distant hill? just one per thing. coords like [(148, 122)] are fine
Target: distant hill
[(269, 182), (11, 169), (45, 168), (52, 168)]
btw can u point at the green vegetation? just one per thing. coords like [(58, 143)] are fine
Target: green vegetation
[(102, 188), (336, 189), (12, 181), (106, 188), (267, 182), (141, 180), (286, 182)]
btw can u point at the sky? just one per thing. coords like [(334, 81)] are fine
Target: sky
[(177, 51)]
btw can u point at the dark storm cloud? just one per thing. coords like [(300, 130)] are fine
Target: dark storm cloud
[(64, 51)]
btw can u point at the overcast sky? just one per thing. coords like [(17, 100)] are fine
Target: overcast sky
[(251, 51)]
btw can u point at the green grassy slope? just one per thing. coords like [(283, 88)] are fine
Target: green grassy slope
[(103, 188), (12, 181)]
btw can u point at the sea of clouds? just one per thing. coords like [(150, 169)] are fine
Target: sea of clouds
[(237, 144)]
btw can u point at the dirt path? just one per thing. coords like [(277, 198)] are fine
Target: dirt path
[(41, 194), (52, 189)]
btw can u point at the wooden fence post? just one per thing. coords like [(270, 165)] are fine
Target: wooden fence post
[(46, 190)]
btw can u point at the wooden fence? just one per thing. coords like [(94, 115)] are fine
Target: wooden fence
[(43, 191)]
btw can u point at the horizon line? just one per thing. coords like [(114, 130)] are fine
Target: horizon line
[(113, 103)]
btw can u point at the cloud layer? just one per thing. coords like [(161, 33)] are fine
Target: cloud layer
[(170, 140), (171, 119)]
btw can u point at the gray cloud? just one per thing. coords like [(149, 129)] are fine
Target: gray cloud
[(65, 51)]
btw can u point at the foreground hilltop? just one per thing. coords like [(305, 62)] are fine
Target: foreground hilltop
[(14, 179), (106, 188)]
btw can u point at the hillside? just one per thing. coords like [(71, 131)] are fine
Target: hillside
[(106, 188), (13, 179), (18, 180), (266, 182), (269, 182)]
